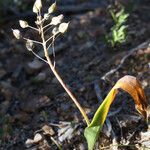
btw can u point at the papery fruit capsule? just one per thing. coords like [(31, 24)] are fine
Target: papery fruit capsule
[(23, 23), (16, 33), (29, 45), (52, 8), (56, 20), (63, 27), (37, 6)]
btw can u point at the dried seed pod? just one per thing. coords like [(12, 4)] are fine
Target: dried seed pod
[(63, 27), (52, 8), (37, 6), (55, 31), (16, 33), (29, 45), (23, 23), (56, 20)]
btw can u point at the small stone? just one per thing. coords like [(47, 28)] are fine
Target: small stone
[(37, 138), (145, 135), (146, 144), (144, 83), (145, 138), (66, 133), (33, 66), (40, 77), (48, 130), (82, 146), (82, 89), (29, 143), (44, 146)]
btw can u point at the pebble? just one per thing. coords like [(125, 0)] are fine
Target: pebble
[(146, 144), (82, 146), (29, 143), (34, 66), (40, 77), (66, 133), (37, 138), (48, 130)]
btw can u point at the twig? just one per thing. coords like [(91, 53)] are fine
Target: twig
[(56, 143), (114, 145), (98, 91), (121, 132), (113, 113), (39, 57), (141, 46), (55, 125), (37, 42), (121, 145), (33, 28), (48, 39), (48, 29), (53, 49), (49, 24)]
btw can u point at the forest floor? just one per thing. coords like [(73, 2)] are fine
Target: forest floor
[(32, 101)]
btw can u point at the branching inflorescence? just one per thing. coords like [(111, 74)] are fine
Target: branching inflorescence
[(128, 83), (57, 27)]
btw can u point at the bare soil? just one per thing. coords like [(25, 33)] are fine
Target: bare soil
[(31, 98)]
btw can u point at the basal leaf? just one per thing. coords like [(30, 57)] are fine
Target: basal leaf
[(129, 84)]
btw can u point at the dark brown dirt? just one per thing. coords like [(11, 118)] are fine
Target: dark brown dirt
[(28, 103)]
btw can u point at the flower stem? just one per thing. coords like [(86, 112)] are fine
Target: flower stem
[(60, 79)]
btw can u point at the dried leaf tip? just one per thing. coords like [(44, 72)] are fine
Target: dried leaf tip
[(23, 24), (52, 8), (37, 6), (63, 27), (16, 33)]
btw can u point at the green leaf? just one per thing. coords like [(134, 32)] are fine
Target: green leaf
[(122, 18), (118, 31), (112, 12), (91, 134), (129, 84), (115, 35)]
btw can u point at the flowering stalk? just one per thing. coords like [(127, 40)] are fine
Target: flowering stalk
[(58, 28)]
